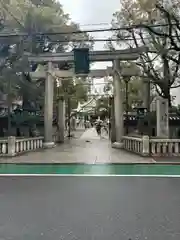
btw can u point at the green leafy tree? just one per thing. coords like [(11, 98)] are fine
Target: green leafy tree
[(35, 17), (76, 91), (135, 88), (157, 64)]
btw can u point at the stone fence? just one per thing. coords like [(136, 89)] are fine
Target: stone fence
[(13, 146), (154, 147)]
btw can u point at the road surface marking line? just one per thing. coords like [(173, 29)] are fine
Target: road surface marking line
[(88, 175)]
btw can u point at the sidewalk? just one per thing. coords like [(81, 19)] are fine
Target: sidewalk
[(88, 148)]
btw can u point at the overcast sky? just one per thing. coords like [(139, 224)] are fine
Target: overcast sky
[(90, 11)]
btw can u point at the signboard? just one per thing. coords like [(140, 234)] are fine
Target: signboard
[(81, 60)]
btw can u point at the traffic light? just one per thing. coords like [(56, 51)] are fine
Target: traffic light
[(81, 60)]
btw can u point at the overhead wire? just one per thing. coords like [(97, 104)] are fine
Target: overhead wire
[(104, 29), (104, 39), (95, 24), (93, 40), (11, 34), (97, 39), (87, 31)]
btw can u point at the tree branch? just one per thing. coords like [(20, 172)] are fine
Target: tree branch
[(174, 76), (177, 61), (158, 91), (149, 61), (175, 86), (169, 35)]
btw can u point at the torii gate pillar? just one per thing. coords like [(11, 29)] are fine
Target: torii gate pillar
[(48, 109), (118, 104)]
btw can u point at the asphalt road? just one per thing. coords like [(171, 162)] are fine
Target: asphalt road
[(89, 208)]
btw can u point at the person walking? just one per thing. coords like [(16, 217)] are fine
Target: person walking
[(98, 128), (85, 124)]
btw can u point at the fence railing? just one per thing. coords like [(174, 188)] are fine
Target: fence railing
[(165, 147), (28, 144), (3, 147), (13, 146), (133, 144), (155, 147)]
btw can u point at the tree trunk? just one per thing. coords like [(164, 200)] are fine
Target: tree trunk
[(167, 95)]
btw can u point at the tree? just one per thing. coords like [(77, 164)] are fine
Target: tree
[(173, 20), (34, 18), (135, 88), (75, 90), (158, 63)]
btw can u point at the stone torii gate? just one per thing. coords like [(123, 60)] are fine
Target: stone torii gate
[(51, 73), (63, 75)]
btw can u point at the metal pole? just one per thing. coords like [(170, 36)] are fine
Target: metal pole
[(109, 113), (69, 117), (112, 121), (9, 106)]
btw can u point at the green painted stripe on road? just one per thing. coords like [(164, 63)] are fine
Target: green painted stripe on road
[(101, 169)]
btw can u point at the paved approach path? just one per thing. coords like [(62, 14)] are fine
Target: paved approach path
[(88, 148)]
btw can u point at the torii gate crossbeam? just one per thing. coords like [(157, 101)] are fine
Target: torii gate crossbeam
[(126, 54), (97, 73)]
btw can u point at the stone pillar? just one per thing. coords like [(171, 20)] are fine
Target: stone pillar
[(11, 146), (118, 102), (48, 109), (145, 146), (61, 120), (162, 118)]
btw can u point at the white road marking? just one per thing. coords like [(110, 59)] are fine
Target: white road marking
[(89, 175)]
